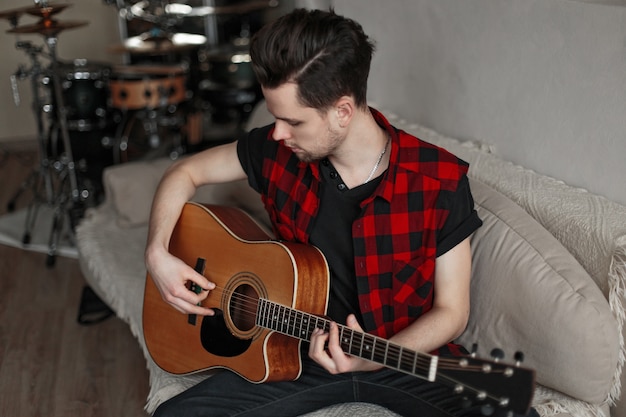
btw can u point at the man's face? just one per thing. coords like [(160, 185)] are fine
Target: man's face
[(309, 134)]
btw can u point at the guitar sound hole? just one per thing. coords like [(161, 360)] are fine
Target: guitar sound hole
[(243, 307), (218, 340)]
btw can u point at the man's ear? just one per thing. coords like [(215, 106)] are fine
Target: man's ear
[(345, 109)]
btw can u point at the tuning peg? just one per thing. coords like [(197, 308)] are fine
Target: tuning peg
[(497, 354), (519, 358), (474, 350)]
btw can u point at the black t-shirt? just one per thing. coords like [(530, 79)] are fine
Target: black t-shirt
[(339, 207)]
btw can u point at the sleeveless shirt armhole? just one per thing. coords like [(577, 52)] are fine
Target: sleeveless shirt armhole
[(462, 220)]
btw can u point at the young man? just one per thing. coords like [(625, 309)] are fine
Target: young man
[(392, 215)]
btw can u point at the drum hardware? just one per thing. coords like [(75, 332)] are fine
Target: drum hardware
[(40, 175), (56, 173), (142, 133), (227, 85), (151, 95), (220, 75), (85, 92), (43, 11), (242, 8), (162, 36), (156, 42)]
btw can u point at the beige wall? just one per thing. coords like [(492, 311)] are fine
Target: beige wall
[(542, 80), (88, 42)]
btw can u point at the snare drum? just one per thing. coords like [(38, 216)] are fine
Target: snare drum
[(84, 87), (136, 87)]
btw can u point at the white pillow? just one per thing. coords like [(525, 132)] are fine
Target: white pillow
[(530, 294)]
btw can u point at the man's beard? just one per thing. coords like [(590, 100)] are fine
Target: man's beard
[(334, 139)]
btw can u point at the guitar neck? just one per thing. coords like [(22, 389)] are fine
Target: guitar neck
[(300, 325)]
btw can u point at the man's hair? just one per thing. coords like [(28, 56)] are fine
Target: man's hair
[(326, 55)]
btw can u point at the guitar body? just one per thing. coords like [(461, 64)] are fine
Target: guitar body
[(239, 257)]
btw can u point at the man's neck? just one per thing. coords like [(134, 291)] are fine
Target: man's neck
[(364, 152)]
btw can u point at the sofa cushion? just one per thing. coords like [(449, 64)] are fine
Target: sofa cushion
[(130, 188), (539, 301)]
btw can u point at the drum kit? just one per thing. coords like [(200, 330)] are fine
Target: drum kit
[(91, 114)]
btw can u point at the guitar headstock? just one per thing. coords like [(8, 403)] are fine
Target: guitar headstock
[(493, 387)]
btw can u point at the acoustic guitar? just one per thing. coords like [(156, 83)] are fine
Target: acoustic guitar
[(270, 296)]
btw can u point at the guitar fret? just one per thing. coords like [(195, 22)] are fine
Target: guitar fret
[(274, 317), (301, 325), (292, 323), (368, 346), (281, 318), (306, 334), (300, 320), (259, 313), (257, 317), (380, 351), (344, 341), (284, 320), (407, 363), (392, 356)]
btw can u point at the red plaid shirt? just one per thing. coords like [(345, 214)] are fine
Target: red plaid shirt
[(395, 238)]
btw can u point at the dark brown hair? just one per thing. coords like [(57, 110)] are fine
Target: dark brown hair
[(326, 55)]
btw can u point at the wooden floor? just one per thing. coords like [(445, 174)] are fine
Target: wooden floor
[(50, 366)]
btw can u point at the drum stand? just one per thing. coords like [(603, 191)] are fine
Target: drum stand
[(41, 175), (56, 175), (68, 201)]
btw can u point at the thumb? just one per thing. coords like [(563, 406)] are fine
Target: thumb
[(353, 323)]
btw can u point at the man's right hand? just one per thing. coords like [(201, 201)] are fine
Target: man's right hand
[(173, 277)]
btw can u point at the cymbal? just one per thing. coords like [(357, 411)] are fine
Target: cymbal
[(159, 45), (13, 14), (47, 11), (202, 11), (142, 9), (47, 27), (44, 12)]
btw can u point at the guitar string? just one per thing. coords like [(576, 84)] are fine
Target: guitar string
[(250, 306), (418, 363)]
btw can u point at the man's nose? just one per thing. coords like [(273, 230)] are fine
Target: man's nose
[(281, 132)]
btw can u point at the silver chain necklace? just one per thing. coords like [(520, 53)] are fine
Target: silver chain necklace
[(380, 158)]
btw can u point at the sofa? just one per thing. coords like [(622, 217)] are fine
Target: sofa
[(548, 274)]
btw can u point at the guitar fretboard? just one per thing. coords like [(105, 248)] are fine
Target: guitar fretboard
[(301, 325)]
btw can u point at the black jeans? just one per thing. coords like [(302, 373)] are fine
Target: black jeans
[(227, 394)]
